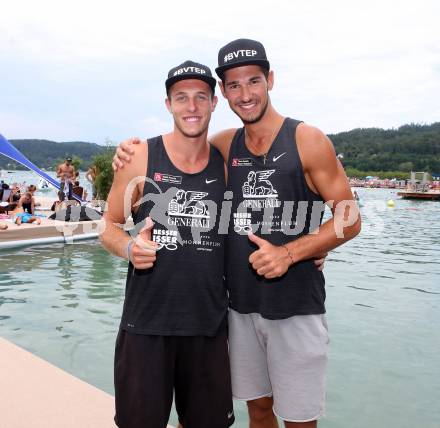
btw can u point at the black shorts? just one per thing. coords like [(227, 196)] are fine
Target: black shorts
[(149, 368)]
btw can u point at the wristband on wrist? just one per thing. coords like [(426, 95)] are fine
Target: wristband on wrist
[(128, 252), (288, 253)]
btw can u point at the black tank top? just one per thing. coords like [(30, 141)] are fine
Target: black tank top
[(184, 293), (266, 194), (27, 207)]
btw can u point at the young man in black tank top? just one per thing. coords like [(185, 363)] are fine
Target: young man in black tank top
[(278, 368), (172, 337), (281, 172), (278, 333)]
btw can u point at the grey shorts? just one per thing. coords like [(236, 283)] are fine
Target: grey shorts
[(285, 359)]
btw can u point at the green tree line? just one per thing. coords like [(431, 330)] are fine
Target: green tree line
[(48, 154), (366, 151), (410, 147)]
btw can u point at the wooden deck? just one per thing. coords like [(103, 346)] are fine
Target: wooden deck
[(430, 195), (36, 394)]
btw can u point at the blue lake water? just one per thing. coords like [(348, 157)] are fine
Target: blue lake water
[(63, 303)]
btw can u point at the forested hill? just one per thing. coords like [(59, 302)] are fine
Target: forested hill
[(47, 154), (410, 147)]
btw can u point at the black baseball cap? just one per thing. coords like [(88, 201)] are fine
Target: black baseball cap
[(241, 52), (190, 70)]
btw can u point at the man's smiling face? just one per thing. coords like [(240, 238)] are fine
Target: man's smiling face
[(247, 91), (191, 103)]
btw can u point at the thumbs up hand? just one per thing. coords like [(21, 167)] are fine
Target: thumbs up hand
[(144, 235), (143, 251), (270, 261), (260, 242)]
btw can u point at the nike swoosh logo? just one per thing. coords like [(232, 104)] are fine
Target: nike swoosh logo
[(230, 414), (275, 158), (210, 181)]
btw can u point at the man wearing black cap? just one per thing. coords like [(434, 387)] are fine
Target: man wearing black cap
[(280, 172), (172, 336)]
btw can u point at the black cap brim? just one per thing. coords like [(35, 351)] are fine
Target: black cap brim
[(209, 80), (261, 62)]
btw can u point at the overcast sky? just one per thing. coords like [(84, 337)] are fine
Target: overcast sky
[(92, 70)]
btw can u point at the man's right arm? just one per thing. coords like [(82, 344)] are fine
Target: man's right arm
[(114, 238)]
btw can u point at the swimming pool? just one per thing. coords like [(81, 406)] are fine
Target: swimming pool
[(63, 303)]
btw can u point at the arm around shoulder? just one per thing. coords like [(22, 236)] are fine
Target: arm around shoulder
[(222, 141)]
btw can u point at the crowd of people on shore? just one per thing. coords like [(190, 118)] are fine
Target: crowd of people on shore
[(376, 182), (17, 201), (18, 205)]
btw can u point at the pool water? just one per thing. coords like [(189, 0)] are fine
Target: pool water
[(63, 303)]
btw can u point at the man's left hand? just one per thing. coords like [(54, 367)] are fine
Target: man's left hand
[(270, 261)]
